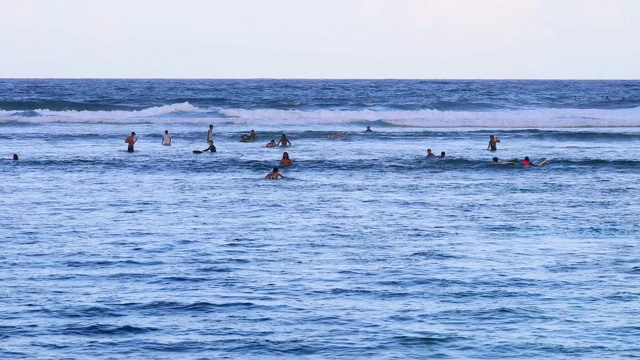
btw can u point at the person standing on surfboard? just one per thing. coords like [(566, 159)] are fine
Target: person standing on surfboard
[(130, 140), (493, 140)]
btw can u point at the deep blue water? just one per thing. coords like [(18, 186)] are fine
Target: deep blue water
[(366, 250)]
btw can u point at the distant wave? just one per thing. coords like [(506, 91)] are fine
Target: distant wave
[(539, 118), (187, 113), (151, 114)]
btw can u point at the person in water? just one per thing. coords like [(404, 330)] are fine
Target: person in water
[(493, 140), (442, 155), (285, 161), (253, 135), (130, 140), (211, 147), (274, 174), (368, 129), (271, 144), (429, 153), (495, 160), (210, 133), (245, 137), (15, 157), (284, 141), (166, 138), (526, 161)]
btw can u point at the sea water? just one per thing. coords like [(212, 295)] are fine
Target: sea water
[(367, 249)]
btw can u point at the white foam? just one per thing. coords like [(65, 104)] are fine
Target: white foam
[(539, 118), (187, 113), (115, 116)]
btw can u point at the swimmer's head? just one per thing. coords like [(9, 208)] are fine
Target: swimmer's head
[(15, 156), (526, 158), (166, 131), (495, 159), (275, 169)]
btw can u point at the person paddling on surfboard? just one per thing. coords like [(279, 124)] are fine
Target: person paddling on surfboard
[(274, 174), (271, 144), (526, 161)]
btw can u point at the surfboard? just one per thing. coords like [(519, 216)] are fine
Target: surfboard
[(198, 151), (542, 162), (508, 163)]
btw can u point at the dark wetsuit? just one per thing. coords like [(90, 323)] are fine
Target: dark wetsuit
[(492, 145), (210, 148)]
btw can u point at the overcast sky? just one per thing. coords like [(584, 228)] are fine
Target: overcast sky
[(417, 39)]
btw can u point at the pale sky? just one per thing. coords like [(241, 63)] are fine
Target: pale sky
[(353, 39)]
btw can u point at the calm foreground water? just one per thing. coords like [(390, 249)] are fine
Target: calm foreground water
[(366, 250)]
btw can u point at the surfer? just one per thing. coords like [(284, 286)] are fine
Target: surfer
[(368, 129), (526, 161), (429, 153), (274, 174), (253, 135), (211, 147), (210, 133), (245, 138), (166, 138), (495, 160), (130, 140), (271, 144), (493, 140), (284, 141), (15, 157), (285, 161)]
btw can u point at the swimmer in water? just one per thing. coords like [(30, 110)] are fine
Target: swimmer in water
[(368, 129), (130, 140), (284, 141), (15, 157), (495, 160), (492, 143), (429, 153), (166, 138), (285, 161), (442, 155)]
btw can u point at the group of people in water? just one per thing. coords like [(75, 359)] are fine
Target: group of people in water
[(284, 142)]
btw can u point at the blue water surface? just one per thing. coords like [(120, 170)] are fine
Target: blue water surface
[(367, 249)]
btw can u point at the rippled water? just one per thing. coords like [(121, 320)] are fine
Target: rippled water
[(366, 250)]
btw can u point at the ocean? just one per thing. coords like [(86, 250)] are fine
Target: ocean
[(367, 249)]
